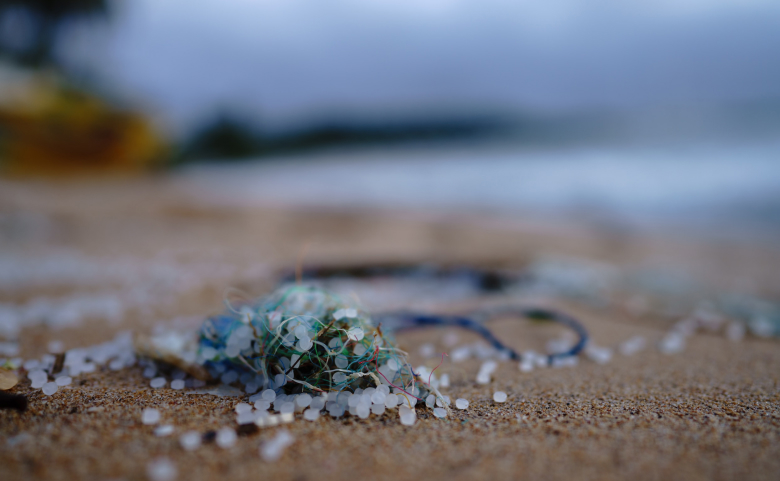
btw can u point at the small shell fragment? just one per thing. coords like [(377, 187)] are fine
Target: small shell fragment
[(7, 379)]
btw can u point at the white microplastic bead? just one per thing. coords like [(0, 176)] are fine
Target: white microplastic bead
[(269, 395), (319, 402), (158, 382), (311, 414), (243, 407), (305, 344), (49, 388), (190, 440), (391, 401), (378, 397), (408, 416), (341, 361), (177, 384), (64, 380), (461, 403), (440, 412), (378, 409), (150, 416), (287, 407), (165, 430), (226, 438), (161, 469), (246, 417), (303, 400), (499, 396)]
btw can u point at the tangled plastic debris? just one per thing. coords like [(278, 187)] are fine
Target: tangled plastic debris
[(305, 347)]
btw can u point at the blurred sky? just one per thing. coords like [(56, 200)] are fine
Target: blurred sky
[(288, 60)]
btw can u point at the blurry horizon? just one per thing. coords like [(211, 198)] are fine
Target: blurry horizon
[(289, 65), (629, 111)]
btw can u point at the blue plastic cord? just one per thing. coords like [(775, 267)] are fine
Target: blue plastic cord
[(402, 321)]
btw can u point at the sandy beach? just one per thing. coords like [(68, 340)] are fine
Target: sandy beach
[(711, 411)]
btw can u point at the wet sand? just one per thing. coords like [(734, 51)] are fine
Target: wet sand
[(710, 412)]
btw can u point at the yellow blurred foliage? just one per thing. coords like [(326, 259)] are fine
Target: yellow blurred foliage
[(50, 130)]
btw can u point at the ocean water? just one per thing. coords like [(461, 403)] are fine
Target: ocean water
[(707, 187)]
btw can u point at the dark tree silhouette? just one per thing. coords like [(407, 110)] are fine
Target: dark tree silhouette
[(45, 19)]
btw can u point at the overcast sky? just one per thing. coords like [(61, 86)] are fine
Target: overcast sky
[(289, 59)]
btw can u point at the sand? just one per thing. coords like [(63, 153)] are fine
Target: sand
[(710, 412)]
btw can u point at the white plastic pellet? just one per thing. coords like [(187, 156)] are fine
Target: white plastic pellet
[(161, 469), (164, 430), (287, 407), (363, 411), (158, 382), (408, 416), (262, 405), (49, 388), (246, 417), (243, 408), (499, 396), (440, 412), (150, 416), (355, 334), (632, 345), (273, 449), (177, 384), (190, 440), (378, 397), (318, 402), (303, 400), (391, 401), (597, 354), (226, 438), (378, 409), (269, 395), (341, 361), (311, 414), (461, 403), (672, 343), (430, 401), (38, 375), (305, 344)]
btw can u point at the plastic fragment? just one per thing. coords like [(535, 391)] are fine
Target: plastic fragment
[(499, 396)]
